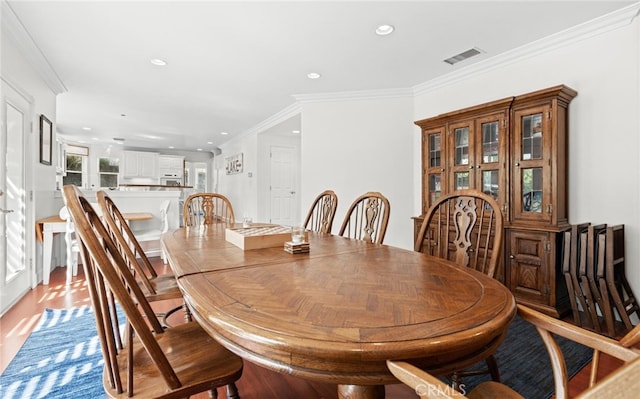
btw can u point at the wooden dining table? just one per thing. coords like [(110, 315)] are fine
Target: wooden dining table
[(338, 312)]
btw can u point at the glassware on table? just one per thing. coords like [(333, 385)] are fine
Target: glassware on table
[(297, 234)]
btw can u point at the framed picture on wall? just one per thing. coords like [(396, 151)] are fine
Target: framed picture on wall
[(233, 164), (46, 136)]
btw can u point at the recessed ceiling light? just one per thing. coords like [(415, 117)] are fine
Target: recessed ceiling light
[(209, 142), (86, 128), (172, 147), (198, 149), (313, 75), (295, 131), (158, 62), (224, 133), (384, 30)]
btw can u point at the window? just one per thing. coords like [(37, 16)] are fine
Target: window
[(76, 165), (74, 170), (108, 169), (196, 175)]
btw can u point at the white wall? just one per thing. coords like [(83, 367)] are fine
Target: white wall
[(604, 145), (241, 189), (352, 146), (40, 179)]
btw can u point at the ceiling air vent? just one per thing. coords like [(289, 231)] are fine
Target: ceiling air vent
[(463, 56)]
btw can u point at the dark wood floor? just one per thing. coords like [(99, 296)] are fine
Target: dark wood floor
[(256, 382)]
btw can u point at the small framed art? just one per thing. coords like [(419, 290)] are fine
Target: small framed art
[(46, 137)]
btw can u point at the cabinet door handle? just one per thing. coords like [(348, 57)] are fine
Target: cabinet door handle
[(511, 257), (517, 164), (470, 166)]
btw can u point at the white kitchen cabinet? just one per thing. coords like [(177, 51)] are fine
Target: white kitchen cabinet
[(140, 164), (171, 165), (171, 162)]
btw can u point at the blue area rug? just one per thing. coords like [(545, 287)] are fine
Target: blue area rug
[(60, 359), (524, 362)]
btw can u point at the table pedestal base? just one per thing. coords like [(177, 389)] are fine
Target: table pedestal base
[(361, 391)]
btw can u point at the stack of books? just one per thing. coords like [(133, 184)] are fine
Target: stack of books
[(299, 248)]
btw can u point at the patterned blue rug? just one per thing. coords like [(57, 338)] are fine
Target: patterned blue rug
[(60, 359)]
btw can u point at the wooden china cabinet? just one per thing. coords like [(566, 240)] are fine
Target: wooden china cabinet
[(514, 149)]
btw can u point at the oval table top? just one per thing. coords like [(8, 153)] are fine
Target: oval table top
[(337, 313)]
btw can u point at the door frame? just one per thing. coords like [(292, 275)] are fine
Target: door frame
[(296, 212), (29, 211)]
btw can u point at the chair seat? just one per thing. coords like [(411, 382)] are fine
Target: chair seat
[(211, 364), (492, 390), (165, 286), (147, 235)]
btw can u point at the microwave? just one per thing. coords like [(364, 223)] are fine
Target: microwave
[(171, 181)]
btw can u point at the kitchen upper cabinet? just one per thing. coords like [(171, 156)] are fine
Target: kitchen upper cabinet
[(171, 165), (140, 164)]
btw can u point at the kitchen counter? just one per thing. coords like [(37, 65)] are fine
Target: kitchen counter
[(152, 186)]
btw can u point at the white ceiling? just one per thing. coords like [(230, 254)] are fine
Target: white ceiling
[(234, 65)]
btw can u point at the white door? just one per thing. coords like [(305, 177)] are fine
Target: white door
[(14, 274), (284, 204)]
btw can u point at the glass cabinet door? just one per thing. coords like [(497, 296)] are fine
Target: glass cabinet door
[(433, 181), (531, 167), (491, 163), (461, 140)]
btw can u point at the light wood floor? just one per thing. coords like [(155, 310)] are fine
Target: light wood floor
[(256, 382)]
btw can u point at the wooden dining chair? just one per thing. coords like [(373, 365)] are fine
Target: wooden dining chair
[(613, 280), (207, 208), (465, 226), (428, 386), (71, 244), (156, 287), (571, 257), (143, 359), (322, 212), (153, 233), (367, 218)]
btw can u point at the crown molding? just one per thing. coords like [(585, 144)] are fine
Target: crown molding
[(18, 89), (617, 19), (275, 119), (16, 32), (355, 95)]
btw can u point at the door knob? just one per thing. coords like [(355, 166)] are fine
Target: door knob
[(6, 210)]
